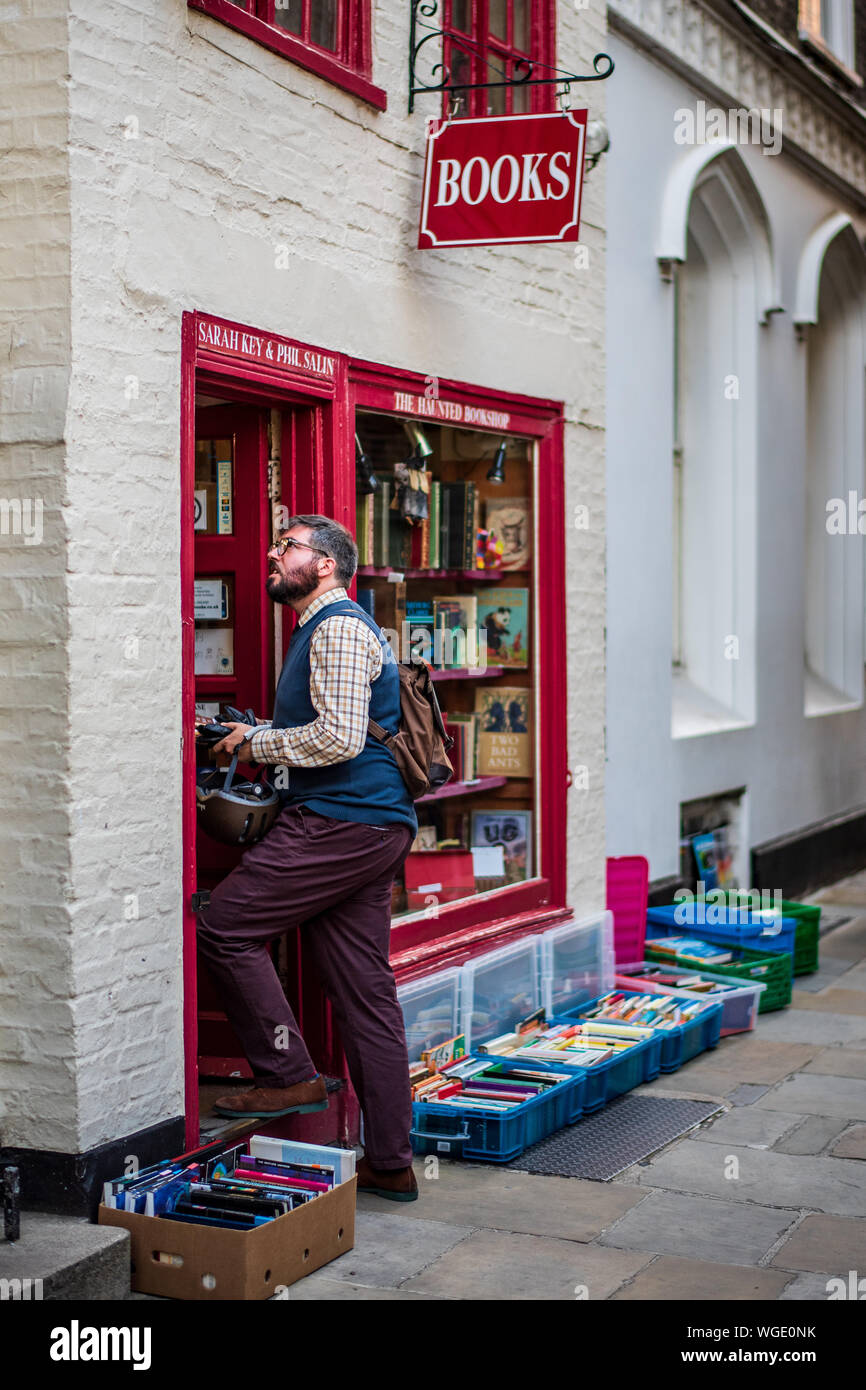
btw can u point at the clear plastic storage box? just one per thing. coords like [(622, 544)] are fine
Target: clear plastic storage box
[(499, 989), (431, 1010), (577, 963)]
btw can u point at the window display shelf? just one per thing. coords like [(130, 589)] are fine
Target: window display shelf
[(480, 784), (374, 571), (467, 673)]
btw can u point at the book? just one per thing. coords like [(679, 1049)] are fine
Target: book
[(503, 618), (391, 610), (367, 600), (513, 831), (292, 1151), (421, 629), (455, 618), (690, 948), (471, 507), (503, 731), (435, 500), (381, 523), (363, 526), (508, 517), (399, 542)]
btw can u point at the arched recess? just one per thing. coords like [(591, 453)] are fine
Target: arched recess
[(682, 182), (831, 292), (723, 279)]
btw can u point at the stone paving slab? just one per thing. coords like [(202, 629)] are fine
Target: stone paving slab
[(70, 1255), (478, 1195), (749, 1059), (768, 1178), (829, 972), (838, 1061), (746, 1093), (855, 978), (808, 1094), (847, 890), (702, 1228), (501, 1265), (852, 1144), (820, 1029), (748, 1127), (388, 1252), (307, 1290), (671, 1278), (826, 1245), (840, 1001), (846, 943), (813, 1135), (811, 1287)]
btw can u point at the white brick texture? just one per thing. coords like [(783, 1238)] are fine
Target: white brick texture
[(193, 154)]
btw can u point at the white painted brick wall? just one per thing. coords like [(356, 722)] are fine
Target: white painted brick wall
[(38, 1100), (237, 153)]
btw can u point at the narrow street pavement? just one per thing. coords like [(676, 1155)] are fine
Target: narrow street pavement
[(689, 1223)]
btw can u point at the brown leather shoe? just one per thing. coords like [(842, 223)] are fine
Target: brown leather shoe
[(264, 1102), (397, 1184)]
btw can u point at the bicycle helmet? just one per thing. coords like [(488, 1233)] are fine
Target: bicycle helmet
[(235, 813)]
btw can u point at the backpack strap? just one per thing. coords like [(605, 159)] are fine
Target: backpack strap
[(379, 732)]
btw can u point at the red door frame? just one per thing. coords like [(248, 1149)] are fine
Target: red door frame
[(267, 367)]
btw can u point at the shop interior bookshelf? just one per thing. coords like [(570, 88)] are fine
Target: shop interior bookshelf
[(463, 456)]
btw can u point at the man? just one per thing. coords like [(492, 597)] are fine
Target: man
[(327, 864)]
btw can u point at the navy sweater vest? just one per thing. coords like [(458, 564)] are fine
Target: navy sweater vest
[(366, 788)]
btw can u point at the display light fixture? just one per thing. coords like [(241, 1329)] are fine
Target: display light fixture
[(367, 480), (496, 471), (421, 444)]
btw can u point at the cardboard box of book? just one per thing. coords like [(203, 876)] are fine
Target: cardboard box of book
[(211, 1262)]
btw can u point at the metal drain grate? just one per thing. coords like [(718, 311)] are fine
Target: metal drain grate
[(602, 1145)]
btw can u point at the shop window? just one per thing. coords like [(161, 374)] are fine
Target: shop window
[(715, 455), (828, 25), (714, 841), (833, 590), (446, 568), (502, 38), (329, 37)]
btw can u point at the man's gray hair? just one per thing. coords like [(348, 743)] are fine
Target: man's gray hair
[(334, 539)]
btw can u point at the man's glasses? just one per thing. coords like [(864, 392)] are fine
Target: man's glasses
[(289, 543)]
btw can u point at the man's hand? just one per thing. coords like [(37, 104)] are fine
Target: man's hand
[(234, 742)]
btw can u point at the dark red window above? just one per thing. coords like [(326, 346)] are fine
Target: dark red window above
[(501, 36), (331, 38)]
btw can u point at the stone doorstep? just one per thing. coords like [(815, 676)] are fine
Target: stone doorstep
[(72, 1258)]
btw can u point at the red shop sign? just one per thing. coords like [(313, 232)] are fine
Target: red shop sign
[(497, 180)]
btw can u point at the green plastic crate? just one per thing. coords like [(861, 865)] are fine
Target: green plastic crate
[(808, 918), (772, 970)]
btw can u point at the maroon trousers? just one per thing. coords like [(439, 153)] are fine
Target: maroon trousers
[(332, 880)]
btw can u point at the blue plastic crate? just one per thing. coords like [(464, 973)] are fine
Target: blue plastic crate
[(607, 1080), (497, 1136), (686, 1040), (759, 932)]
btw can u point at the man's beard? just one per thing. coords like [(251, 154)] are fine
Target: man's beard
[(285, 589)]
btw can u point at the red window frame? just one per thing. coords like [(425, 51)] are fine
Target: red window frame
[(503, 56), (351, 67)]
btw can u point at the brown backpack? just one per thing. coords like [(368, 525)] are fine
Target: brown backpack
[(421, 744)]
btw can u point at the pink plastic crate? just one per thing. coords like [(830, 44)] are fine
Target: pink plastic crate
[(627, 893)]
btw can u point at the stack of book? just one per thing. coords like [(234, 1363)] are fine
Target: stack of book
[(445, 539), (474, 1083), (690, 948), (235, 1188), (651, 1010), (580, 1044), (463, 730)]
